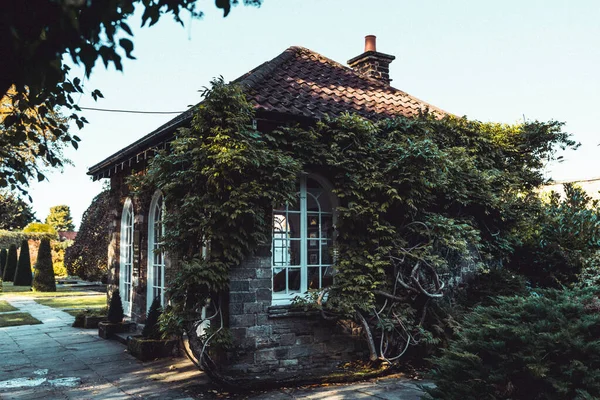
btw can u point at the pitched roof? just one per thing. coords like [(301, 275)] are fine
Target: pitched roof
[(298, 82), (302, 82)]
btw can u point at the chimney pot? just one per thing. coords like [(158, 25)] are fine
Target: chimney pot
[(372, 63), (370, 43)]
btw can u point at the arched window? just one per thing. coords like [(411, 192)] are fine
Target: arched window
[(126, 259), (156, 256), (302, 246)]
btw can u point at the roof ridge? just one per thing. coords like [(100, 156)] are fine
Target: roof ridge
[(257, 75)]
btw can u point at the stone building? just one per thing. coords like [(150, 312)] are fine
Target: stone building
[(298, 86)]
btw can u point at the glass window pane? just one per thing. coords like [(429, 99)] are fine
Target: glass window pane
[(279, 279), (327, 277), (313, 278), (294, 279), (326, 226)]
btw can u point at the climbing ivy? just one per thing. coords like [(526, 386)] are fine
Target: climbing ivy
[(419, 198)]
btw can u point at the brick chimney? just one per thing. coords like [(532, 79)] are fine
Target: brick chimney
[(372, 63)]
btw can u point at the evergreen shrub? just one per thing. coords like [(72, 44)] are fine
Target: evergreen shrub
[(484, 287), (151, 328), (3, 256), (543, 346), (23, 275), (115, 308), (11, 264), (43, 280)]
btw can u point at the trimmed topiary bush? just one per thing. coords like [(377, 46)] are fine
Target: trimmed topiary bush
[(544, 346), (115, 308), (151, 328), (23, 276), (11, 264), (3, 256), (43, 280)]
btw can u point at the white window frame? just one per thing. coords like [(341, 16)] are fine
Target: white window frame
[(126, 256), (279, 298), (157, 199)]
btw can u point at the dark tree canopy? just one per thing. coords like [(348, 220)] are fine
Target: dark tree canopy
[(15, 213), (43, 280), (23, 275), (36, 34), (60, 218), (87, 257)]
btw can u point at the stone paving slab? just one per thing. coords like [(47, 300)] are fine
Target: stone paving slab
[(52, 360)]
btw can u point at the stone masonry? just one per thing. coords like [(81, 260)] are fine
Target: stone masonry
[(279, 341)]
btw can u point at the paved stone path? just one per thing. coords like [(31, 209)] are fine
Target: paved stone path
[(52, 360)]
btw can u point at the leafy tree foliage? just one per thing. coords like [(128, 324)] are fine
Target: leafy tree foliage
[(60, 218), (3, 257), (152, 328), (87, 257), (15, 213), (38, 227), (418, 198), (115, 308), (36, 35), (32, 139), (43, 280), (538, 347), (560, 239), (23, 275), (11, 264)]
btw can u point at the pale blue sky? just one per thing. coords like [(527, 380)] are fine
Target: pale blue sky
[(492, 61)]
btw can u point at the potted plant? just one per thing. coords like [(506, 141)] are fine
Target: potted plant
[(90, 318), (150, 344), (115, 324)]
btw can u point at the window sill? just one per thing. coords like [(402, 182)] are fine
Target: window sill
[(291, 311)]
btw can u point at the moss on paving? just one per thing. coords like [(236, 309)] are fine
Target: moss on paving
[(5, 307), (16, 319)]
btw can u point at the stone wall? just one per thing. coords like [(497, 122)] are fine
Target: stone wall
[(278, 341)]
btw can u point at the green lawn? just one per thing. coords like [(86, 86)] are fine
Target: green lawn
[(15, 319), (4, 307), (9, 290), (75, 302)]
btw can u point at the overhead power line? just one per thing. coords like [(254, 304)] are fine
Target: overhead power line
[(130, 111)]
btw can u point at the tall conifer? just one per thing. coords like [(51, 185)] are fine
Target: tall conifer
[(11, 264), (43, 281), (23, 276)]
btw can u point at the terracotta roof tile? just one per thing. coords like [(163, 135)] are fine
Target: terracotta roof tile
[(322, 86)]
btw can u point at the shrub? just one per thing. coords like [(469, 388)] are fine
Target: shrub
[(545, 346), (43, 280), (151, 329), (560, 240), (11, 264), (3, 256), (23, 276), (87, 258), (485, 286), (38, 227), (115, 308)]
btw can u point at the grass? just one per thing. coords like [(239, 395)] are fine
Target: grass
[(78, 301), (4, 307), (16, 319), (9, 290)]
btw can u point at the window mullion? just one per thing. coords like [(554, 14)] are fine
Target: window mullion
[(303, 236)]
